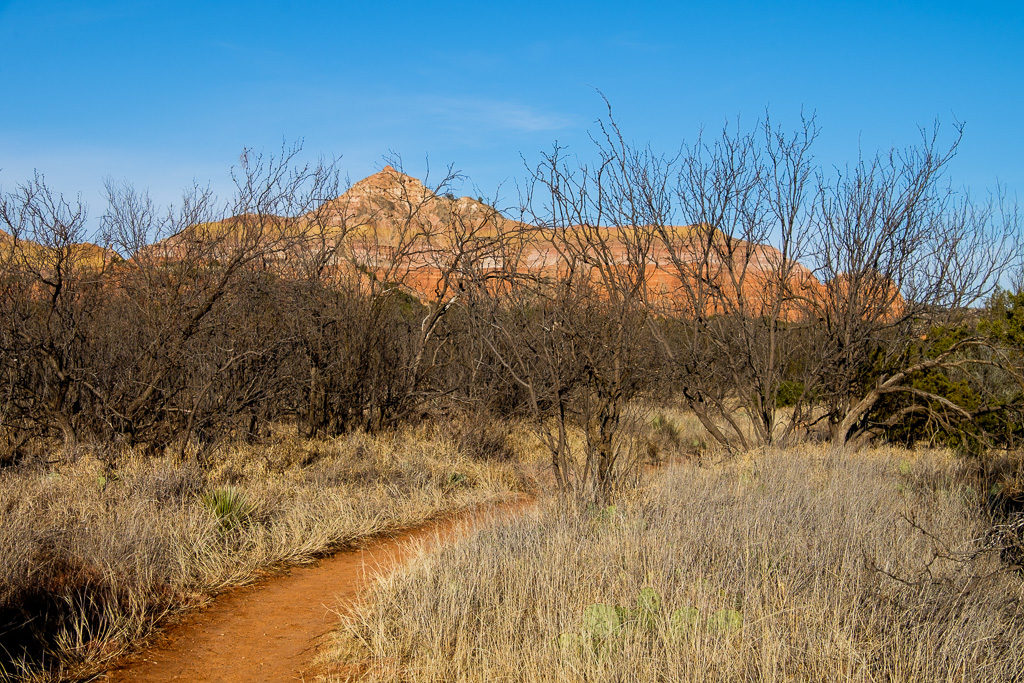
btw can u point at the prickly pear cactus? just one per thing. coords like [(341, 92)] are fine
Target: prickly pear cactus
[(568, 641), (648, 600), (601, 620), (683, 620), (648, 605), (725, 620)]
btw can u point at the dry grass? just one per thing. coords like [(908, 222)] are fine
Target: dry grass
[(93, 555), (781, 566)]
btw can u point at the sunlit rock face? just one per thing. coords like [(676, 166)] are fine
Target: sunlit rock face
[(380, 216), (390, 226)]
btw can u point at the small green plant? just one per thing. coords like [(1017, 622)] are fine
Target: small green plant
[(725, 620), (648, 606), (457, 480), (231, 506), (648, 600), (607, 513), (665, 427), (665, 437), (602, 620), (683, 620), (789, 392), (569, 641)]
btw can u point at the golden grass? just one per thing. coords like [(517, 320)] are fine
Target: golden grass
[(93, 556), (784, 565)]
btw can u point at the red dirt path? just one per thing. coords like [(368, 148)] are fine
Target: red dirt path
[(270, 631)]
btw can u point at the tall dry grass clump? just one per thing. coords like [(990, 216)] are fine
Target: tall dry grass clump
[(789, 566), (95, 552)]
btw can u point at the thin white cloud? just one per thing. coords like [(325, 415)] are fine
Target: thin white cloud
[(492, 114)]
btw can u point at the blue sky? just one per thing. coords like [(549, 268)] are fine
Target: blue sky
[(162, 93)]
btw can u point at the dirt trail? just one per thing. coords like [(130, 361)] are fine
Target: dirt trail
[(269, 631)]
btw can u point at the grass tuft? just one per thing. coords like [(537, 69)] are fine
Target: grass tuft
[(230, 505)]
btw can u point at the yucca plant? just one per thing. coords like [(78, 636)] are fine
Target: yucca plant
[(231, 506)]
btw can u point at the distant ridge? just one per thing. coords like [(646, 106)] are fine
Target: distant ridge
[(391, 215)]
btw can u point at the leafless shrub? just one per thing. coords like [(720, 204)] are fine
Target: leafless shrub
[(483, 437)]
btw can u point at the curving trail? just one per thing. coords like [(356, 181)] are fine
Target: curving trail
[(269, 631)]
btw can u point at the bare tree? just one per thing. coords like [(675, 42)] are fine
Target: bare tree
[(735, 292), (52, 285), (900, 253), (568, 318)]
